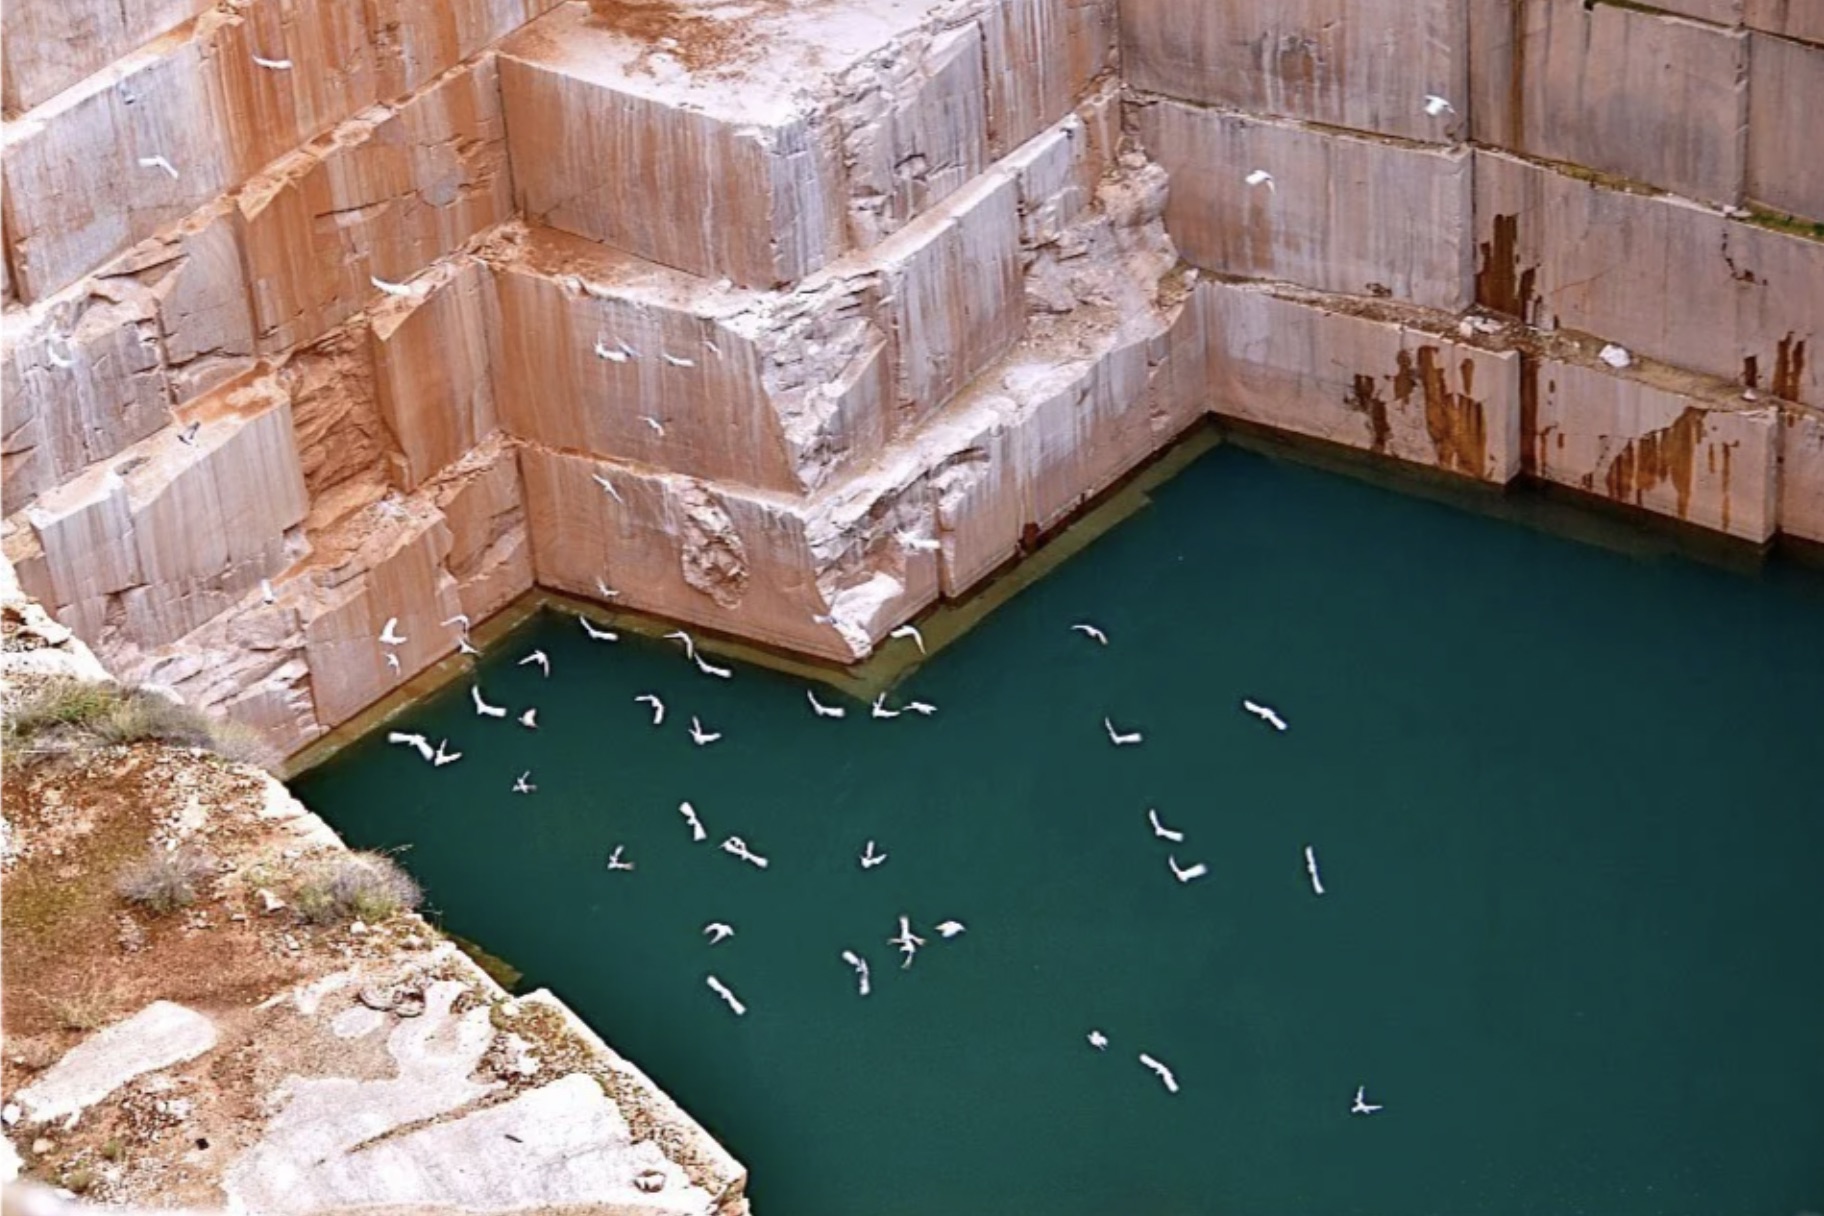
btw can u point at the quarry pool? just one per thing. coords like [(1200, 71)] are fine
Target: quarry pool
[(1566, 802)]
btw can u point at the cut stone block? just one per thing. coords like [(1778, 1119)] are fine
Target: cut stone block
[(417, 40), (333, 74), (1301, 365), (1660, 276), (432, 381), (1341, 214), (1801, 19), (1786, 95), (158, 1036), (1042, 56), (1802, 472), (48, 45), (1362, 64)]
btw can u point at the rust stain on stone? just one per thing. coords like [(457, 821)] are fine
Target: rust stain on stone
[(1728, 452), (1788, 368), (1500, 283), (1455, 421), (1751, 372), (1656, 457), (1532, 448), (1366, 399)]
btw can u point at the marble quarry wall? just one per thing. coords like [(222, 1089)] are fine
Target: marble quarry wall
[(790, 320)]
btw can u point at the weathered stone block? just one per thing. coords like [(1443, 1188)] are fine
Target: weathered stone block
[(1786, 95), (48, 45), (1803, 19), (1700, 455), (1303, 365), (332, 74), (490, 550), (1341, 214), (1042, 56), (1660, 276), (431, 369), (1365, 64), (1802, 472), (417, 40)]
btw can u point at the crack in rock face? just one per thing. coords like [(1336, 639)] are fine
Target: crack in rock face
[(713, 559)]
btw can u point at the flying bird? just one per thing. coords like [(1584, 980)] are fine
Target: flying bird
[(51, 353), (187, 436), (464, 646), (599, 635), (422, 744), (541, 658), (690, 645), (529, 719), (392, 661), (860, 965), (1161, 831), (604, 590), (718, 932), (1260, 177), (1117, 737), (603, 350), (391, 289), (273, 65), (906, 942), (482, 708), (614, 859), (1361, 1105), (677, 360), (1092, 633), (1435, 105), (721, 990), (1317, 884), (267, 594), (910, 631), (461, 619), (710, 669), (879, 708), (913, 540), (950, 928), (389, 633), (1265, 714), (657, 426), (869, 858), (523, 783), (608, 486), (822, 710), (1164, 1074), (1097, 1040), (158, 162), (737, 847), (1186, 873), (440, 757), (922, 708), (701, 737), (697, 834), (658, 707)]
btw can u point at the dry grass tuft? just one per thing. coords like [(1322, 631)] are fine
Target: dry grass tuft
[(165, 879), (368, 887)]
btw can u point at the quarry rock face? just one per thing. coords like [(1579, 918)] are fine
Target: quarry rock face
[(789, 321)]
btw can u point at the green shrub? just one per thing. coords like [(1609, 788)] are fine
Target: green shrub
[(368, 887), (166, 879)]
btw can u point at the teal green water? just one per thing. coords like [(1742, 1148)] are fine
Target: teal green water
[(1567, 805)]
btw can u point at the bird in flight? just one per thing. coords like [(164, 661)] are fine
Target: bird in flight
[(657, 426), (860, 965), (392, 661), (604, 590), (391, 289), (1265, 714), (1317, 884), (658, 707), (1260, 177), (272, 65), (734, 846), (187, 436), (822, 710), (523, 784), (529, 719), (1097, 1040), (1361, 1105), (677, 360), (880, 710), (950, 928), (482, 708), (158, 162), (690, 645), (1161, 1071), (869, 858), (419, 742), (267, 594), (721, 990), (604, 351), (1435, 105), (389, 633), (922, 708), (718, 932), (1161, 831), (1118, 738), (914, 541), (464, 646), (689, 812), (699, 736), (907, 942), (1092, 633), (440, 757), (614, 859), (910, 631), (460, 619), (608, 486), (1186, 873), (541, 658), (599, 635), (710, 669)]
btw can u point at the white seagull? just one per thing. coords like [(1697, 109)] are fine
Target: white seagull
[(910, 631), (869, 858), (391, 289), (699, 736), (697, 834), (267, 594), (721, 990), (441, 757), (657, 426), (389, 633), (50, 351), (950, 928), (690, 645), (1435, 105), (604, 590), (860, 965), (1097, 1040), (608, 486), (922, 708), (529, 719), (422, 744), (1164, 1074), (541, 658), (1361, 1105), (1092, 633), (734, 846), (822, 710), (1161, 831), (613, 356), (273, 65), (880, 710), (718, 932), (464, 646), (1317, 884), (658, 707), (158, 162), (187, 436), (392, 661), (482, 708), (1260, 177), (1117, 737), (461, 620), (599, 635), (907, 942), (914, 541), (1186, 873), (614, 859), (1264, 713), (677, 360), (710, 669), (523, 784)]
